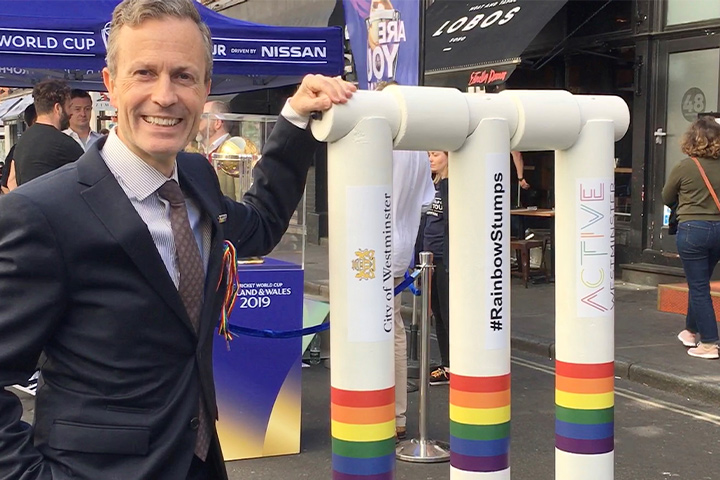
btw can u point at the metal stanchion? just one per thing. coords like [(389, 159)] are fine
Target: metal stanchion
[(423, 450), (413, 363)]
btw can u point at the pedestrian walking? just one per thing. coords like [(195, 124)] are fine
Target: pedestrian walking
[(693, 184)]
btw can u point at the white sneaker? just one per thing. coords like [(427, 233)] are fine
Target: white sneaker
[(704, 350), (688, 338)]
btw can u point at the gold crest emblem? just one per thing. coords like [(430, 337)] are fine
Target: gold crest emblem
[(364, 264)]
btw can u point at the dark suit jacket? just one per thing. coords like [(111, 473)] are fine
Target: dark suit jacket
[(81, 278)]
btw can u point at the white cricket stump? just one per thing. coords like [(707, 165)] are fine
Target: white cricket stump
[(362, 376), (479, 222), (585, 305), (478, 131)]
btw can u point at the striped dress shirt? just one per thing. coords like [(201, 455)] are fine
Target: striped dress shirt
[(140, 183)]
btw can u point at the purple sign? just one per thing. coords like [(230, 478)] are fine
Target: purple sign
[(385, 40)]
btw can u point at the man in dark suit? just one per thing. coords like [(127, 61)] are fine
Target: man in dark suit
[(121, 282)]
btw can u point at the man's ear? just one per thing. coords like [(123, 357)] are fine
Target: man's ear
[(109, 85), (58, 109)]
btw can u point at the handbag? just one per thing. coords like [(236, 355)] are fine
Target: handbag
[(673, 221)]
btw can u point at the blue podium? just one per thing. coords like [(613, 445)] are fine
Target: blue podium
[(258, 380)]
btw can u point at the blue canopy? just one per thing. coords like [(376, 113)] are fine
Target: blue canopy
[(66, 39)]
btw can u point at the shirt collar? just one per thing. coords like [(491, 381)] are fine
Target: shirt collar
[(71, 132), (219, 141), (95, 135), (139, 177), (92, 136)]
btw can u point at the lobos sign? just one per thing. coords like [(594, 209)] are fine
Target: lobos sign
[(477, 34)]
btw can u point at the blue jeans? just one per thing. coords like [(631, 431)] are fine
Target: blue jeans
[(698, 243)]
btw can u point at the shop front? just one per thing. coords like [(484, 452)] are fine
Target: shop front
[(686, 84), (661, 57)]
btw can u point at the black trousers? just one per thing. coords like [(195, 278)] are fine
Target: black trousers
[(207, 470), (199, 470), (440, 303)]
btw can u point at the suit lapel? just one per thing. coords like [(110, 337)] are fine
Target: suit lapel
[(110, 204)]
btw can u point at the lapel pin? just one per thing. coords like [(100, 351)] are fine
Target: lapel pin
[(222, 217)]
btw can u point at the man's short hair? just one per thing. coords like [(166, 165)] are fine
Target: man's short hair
[(30, 115), (79, 93), (219, 107), (49, 92), (133, 13)]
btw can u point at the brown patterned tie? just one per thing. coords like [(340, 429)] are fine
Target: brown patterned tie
[(192, 281)]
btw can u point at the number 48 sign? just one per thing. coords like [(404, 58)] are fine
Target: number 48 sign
[(693, 102)]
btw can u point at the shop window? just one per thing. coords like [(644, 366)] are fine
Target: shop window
[(689, 95), (683, 11)]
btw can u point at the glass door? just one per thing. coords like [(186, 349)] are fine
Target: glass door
[(687, 84)]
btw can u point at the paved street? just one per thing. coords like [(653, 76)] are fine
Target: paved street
[(665, 432), (657, 435)]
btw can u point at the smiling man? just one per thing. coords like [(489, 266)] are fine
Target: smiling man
[(114, 265)]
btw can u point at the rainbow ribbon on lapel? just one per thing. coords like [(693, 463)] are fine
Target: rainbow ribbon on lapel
[(232, 287)]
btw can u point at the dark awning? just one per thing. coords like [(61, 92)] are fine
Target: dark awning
[(470, 35)]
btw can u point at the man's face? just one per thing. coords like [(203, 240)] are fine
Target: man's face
[(80, 110), (203, 125), (159, 89), (207, 128)]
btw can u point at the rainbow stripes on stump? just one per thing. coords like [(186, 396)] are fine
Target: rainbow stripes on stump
[(363, 434), (480, 423), (584, 407)]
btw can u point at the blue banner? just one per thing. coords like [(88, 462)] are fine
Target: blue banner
[(385, 40), (73, 34)]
